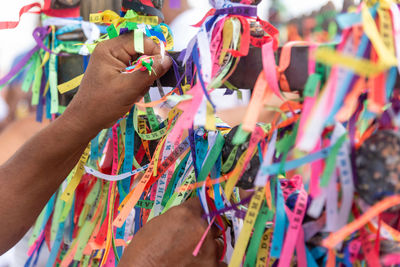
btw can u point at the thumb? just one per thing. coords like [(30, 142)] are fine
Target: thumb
[(195, 206)]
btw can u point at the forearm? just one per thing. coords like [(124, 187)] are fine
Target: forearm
[(33, 174), (106, 93)]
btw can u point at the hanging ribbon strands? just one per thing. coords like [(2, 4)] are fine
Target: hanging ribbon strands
[(314, 184)]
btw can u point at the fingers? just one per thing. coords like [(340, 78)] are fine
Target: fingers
[(141, 80), (220, 247), (211, 251), (194, 205), (123, 48), (160, 66), (217, 230)]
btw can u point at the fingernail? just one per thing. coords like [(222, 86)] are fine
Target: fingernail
[(166, 61), (162, 58)]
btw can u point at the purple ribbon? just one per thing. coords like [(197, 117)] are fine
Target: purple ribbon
[(123, 31), (176, 72), (240, 214), (247, 11), (233, 207), (228, 92), (193, 149), (189, 70), (182, 55), (175, 4), (39, 34), (42, 100)]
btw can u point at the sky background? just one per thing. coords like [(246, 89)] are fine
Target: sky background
[(15, 42)]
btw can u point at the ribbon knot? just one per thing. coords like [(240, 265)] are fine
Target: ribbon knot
[(283, 82)]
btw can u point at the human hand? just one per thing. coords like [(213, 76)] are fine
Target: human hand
[(106, 94), (169, 240)]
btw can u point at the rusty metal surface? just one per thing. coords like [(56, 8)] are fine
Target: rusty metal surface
[(250, 67), (69, 67), (61, 4), (244, 77)]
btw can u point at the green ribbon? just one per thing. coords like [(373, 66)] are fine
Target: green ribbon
[(112, 31), (230, 160), (151, 116), (240, 136), (212, 158), (312, 84), (264, 216)]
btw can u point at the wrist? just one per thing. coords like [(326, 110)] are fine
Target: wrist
[(137, 258), (72, 123), (141, 253)]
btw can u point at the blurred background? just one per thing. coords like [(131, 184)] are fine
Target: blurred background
[(296, 20), (16, 41)]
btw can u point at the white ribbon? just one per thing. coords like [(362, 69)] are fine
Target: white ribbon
[(113, 178)]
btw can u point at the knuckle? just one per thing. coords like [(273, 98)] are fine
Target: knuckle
[(210, 247), (199, 226), (181, 212), (100, 48)]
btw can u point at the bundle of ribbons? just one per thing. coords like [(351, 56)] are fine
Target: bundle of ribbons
[(39, 66), (316, 185), (319, 28)]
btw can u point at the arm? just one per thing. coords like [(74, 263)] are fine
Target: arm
[(33, 174), (169, 240)]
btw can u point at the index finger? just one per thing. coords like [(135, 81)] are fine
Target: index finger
[(123, 47)]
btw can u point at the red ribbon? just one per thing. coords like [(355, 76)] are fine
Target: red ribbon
[(23, 10), (209, 13), (147, 3)]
